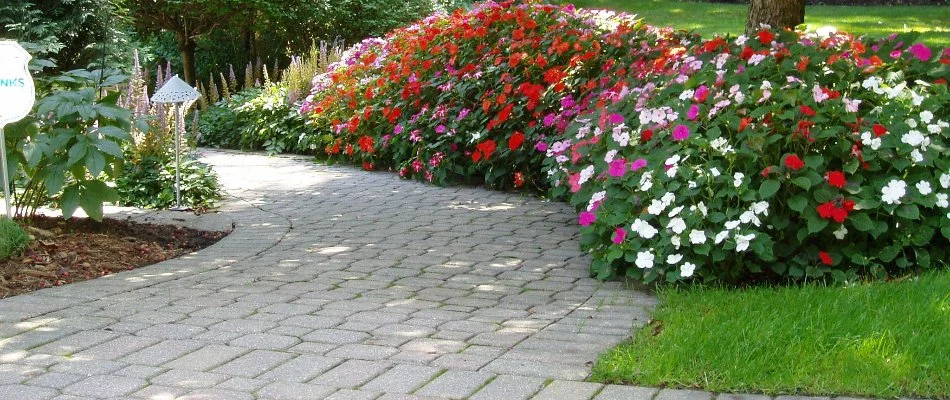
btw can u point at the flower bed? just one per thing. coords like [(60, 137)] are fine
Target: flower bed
[(777, 155)]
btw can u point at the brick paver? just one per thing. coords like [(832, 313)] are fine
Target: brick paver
[(341, 284)]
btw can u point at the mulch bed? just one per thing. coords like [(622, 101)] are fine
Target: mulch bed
[(67, 251)]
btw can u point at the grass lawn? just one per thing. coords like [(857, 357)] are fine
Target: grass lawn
[(933, 22), (878, 340)]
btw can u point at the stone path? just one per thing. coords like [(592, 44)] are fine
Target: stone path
[(338, 284)]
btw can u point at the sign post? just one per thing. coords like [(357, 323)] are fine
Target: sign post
[(176, 91), (17, 95)]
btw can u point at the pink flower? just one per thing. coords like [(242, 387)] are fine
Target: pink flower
[(639, 163), (616, 119), (541, 146), (920, 51), (440, 129), (574, 180), (549, 120), (586, 218), (397, 130), (693, 112), (618, 168), (680, 133), (463, 114), (619, 235), (701, 93)]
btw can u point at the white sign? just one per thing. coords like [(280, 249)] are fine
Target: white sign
[(17, 93)]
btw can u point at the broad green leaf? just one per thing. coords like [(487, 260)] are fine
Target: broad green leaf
[(95, 162), (908, 211), (114, 132), (802, 182), (816, 224), (76, 152), (888, 253), (814, 162), (861, 222), (769, 188), (70, 201), (797, 203), (91, 205), (109, 147)]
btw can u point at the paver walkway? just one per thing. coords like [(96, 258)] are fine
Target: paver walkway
[(337, 283)]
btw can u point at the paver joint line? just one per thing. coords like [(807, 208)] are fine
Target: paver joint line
[(338, 283)]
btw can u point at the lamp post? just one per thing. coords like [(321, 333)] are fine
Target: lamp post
[(176, 91), (17, 96)]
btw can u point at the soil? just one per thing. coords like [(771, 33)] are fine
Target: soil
[(67, 251)]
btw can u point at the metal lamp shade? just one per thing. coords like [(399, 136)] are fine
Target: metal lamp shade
[(175, 91)]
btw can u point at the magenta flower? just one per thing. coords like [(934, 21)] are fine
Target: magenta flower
[(680, 133), (616, 119), (567, 102), (920, 51), (440, 129), (463, 114), (586, 218), (397, 130), (541, 146), (549, 119), (701, 93), (693, 112), (619, 235), (639, 163), (618, 168)]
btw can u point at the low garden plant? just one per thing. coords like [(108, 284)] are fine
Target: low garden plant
[(13, 239)]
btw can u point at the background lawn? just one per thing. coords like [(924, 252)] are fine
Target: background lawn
[(878, 340), (713, 18)]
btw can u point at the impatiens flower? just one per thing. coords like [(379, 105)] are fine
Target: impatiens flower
[(677, 225), (697, 236), (873, 142), (675, 241), (808, 111), (836, 179), (879, 130), (644, 229), (825, 258), (742, 241), (760, 207), (920, 51), (942, 200), (638, 164), (680, 133), (541, 146), (687, 269), (619, 235), (586, 173), (366, 144), (793, 162), (514, 142), (702, 92), (721, 236), (616, 119), (914, 138), (675, 211), (840, 232), (586, 218), (674, 259), (715, 172), (645, 259), (892, 193), (765, 37), (851, 105), (617, 168), (945, 181), (397, 130), (926, 116), (737, 179), (693, 112), (923, 187), (655, 207), (646, 135)]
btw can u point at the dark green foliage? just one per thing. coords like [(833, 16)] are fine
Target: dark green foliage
[(13, 239), (150, 183)]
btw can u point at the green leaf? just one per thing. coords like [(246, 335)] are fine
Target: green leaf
[(769, 188), (70, 201), (945, 231), (95, 162), (814, 162), (908, 211), (116, 132), (922, 235), (888, 253), (109, 147), (861, 222), (91, 205), (816, 224), (76, 153), (923, 257), (802, 182), (797, 203)]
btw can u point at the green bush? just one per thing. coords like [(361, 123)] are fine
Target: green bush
[(150, 183), (255, 119), (13, 239)]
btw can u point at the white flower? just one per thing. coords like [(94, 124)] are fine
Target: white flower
[(675, 211), (686, 270), (756, 59), (737, 179), (714, 172), (871, 83), (945, 181), (687, 94), (934, 128), (942, 200), (586, 173), (914, 138), (892, 193), (911, 122), (761, 207), (697, 236), (721, 236), (646, 182), (677, 225), (740, 41), (923, 187), (840, 232), (668, 199), (656, 207), (742, 241), (671, 172), (643, 228), (675, 241), (869, 140), (746, 217), (645, 259), (730, 225), (692, 184), (702, 208), (596, 198), (610, 156), (926, 116), (818, 94), (917, 156), (621, 136), (672, 160), (673, 259)]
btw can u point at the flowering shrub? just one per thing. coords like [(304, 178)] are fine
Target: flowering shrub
[(472, 96), (775, 155)]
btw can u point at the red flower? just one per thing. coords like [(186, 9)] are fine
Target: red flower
[(766, 37), (835, 211), (743, 123), (825, 258), (514, 142), (519, 179), (366, 144), (792, 161), (879, 130), (836, 179), (808, 111), (483, 150), (825, 209), (767, 171), (646, 135)]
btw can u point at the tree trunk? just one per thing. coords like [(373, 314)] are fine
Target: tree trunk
[(187, 46), (775, 13)]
